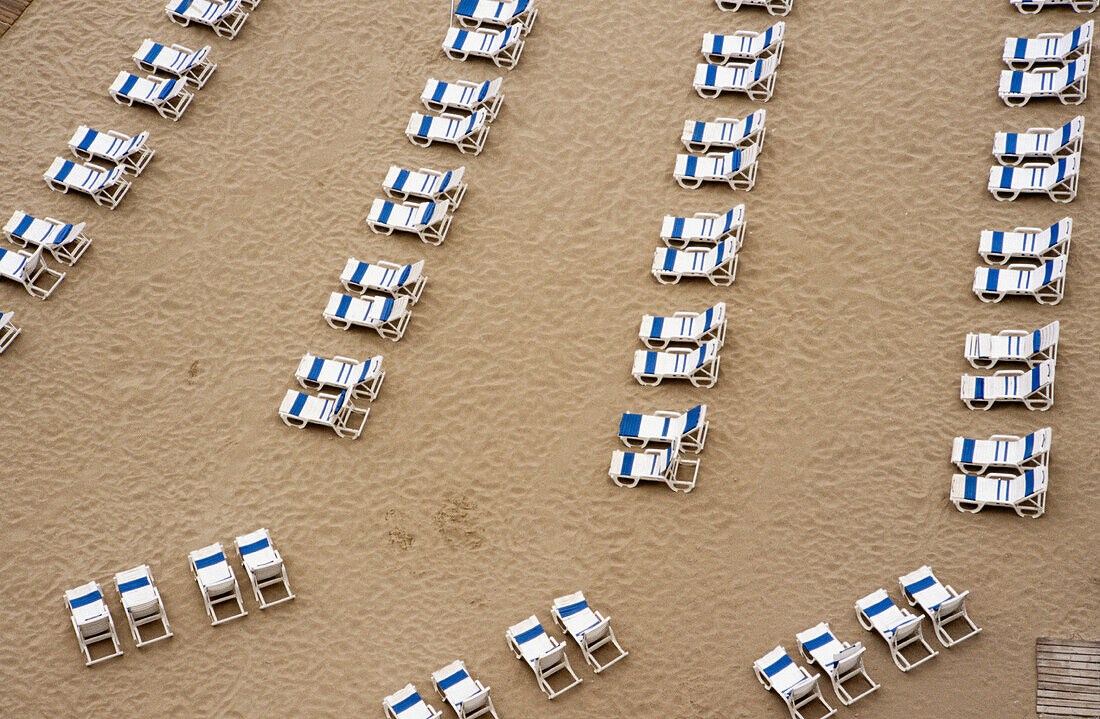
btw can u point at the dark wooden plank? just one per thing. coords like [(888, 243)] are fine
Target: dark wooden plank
[(10, 10), (1053, 711), (1068, 642), (1071, 698), (1052, 682)]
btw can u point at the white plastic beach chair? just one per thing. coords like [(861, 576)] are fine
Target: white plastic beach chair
[(1022, 53), (66, 242), (142, 603), (191, 65), (168, 96), (432, 185), (941, 603), (796, 686), (408, 704), (590, 629), (1029, 7), (1046, 284), (427, 220), (129, 153), (653, 465), (698, 366), (544, 654), (757, 80), (467, 696), (708, 228), (976, 456), (1068, 84), (744, 45), (985, 350), (216, 581), (8, 330), (503, 47), (472, 14), (1057, 181), (725, 132), (386, 277), (29, 270), (688, 327), (362, 379), (1033, 387), (1046, 143), (467, 133), (774, 7), (440, 96), (900, 628), (92, 621), (385, 315), (106, 187), (334, 411), (737, 167), (1024, 493), (841, 662), (224, 18), (264, 566), (1026, 243), (689, 428), (717, 264)]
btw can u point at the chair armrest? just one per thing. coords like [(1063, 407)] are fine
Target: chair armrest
[(181, 48), (118, 135), (707, 215), (391, 265), (429, 171), (1032, 230), (745, 33), (665, 413), (686, 314), (1051, 34), (53, 220), (1010, 373), (1004, 438), (1013, 333), (348, 360), (1044, 130)]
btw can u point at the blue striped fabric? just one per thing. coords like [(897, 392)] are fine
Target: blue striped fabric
[(1029, 482), (483, 91), (970, 488), (407, 703), (1016, 82), (447, 682), (817, 642), (153, 52), (425, 125), (968, 450), (778, 665), (86, 141), (1021, 47), (998, 242), (315, 369), (428, 212), (991, 279), (879, 607), (342, 308), (692, 418), (23, 225), (670, 260), (1010, 143), (216, 558), (182, 7), (466, 8), (920, 585), (86, 599), (979, 388), (440, 89), (678, 228), (460, 39), (689, 167), (1006, 178), (712, 73), (66, 168), (524, 637), (133, 584), (255, 546), (658, 325), (404, 275), (570, 609), (387, 210), (630, 425), (650, 362), (628, 463)]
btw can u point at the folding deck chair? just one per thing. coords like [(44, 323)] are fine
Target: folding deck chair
[(1025, 493), (408, 704), (65, 241), (8, 330), (264, 566), (544, 654), (590, 629), (717, 264), (129, 153), (1045, 284), (503, 47), (1033, 387), (467, 133), (842, 662), (168, 96), (744, 45), (983, 351), (142, 603), (795, 686), (689, 428), (385, 315), (1057, 181), (757, 80), (1046, 143), (877, 612), (473, 14), (708, 228), (467, 696), (942, 604), (191, 65), (386, 277), (427, 220), (401, 184), (725, 132), (698, 366), (106, 187), (439, 96), (1068, 84), (362, 379), (737, 167), (334, 411), (653, 465), (687, 327), (1023, 53), (224, 18), (28, 269), (1029, 7), (92, 621), (216, 580), (1026, 243), (774, 7), (976, 456)]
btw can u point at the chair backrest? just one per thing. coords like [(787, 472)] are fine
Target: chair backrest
[(1073, 40)]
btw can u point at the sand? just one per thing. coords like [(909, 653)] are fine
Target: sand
[(139, 405)]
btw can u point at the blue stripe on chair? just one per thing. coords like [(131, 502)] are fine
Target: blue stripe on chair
[(133, 584), (1029, 483), (63, 233), (255, 546), (182, 7), (425, 125), (1029, 445), (66, 168), (628, 464), (570, 609), (712, 73), (153, 52), (979, 388), (128, 85), (689, 168), (387, 210), (1006, 178), (692, 419), (1010, 143), (1021, 47), (460, 39), (89, 598), (658, 325), (440, 89), (428, 213), (166, 90), (970, 488), (342, 308), (1048, 272), (86, 141), (678, 228), (483, 91), (758, 68), (879, 607), (670, 259), (650, 362), (1016, 82), (818, 642), (387, 308), (991, 279), (630, 425), (778, 665), (402, 178), (466, 8), (23, 225), (921, 584), (448, 682), (299, 402), (407, 703), (697, 131), (404, 275), (968, 450), (315, 369), (748, 124), (998, 241), (524, 637), (217, 558), (360, 271)]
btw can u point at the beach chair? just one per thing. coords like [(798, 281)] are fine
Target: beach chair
[(688, 327), (468, 134), (737, 167), (467, 696), (1067, 84), (142, 603), (439, 96), (503, 47), (264, 566), (774, 7), (708, 228), (590, 629), (725, 132), (168, 96), (1023, 53), (427, 220), (900, 628), (385, 315), (744, 45), (65, 241), (983, 350), (544, 654), (653, 465), (976, 456), (1025, 493), (1033, 387), (717, 264), (29, 270), (1047, 143), (796, 686), (842, 662), (194, 66), (401, 184), (689, 428), (1057, 181), (1026, 243), (106, 187), (92, 621), (698, 366), (757, 80), (941, 603), (217, 582), (334, 411), (408, 704), (129, 153), (8, 330), (1030, 7), (362, 379), (224, 18), (1046, 284), (386, 277), (473, 14)]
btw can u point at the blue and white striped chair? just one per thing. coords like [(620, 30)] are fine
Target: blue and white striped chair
[(468, 134), (217, 582), (467, 696), (386, 277), (1057, 181), (1045, 284), (408, 704), (899, 627), (941, 603), (385, 315), (106, 187), (699, 366), (694, 328), (774, 7), (1029, 7), (542, 653), (725, 132), (28, 269), (1046, 143), (440, 96), (264, 566), (129, 153), (362, 379), (1033, 387), (841, 662), (1068, 84), (168, 96), (1021, 53), (334, 411), (744, 45), (737, 168), (92, 621), (756, 80), (590, 629), (473, 14), (708, 228), (798, 689), (503, 48), (1027, 243), (1031, 346), (66, 242), (717, 264), (976, 456), (142, 603), (653, 465), (1024, 493), (427, 220), (689, 428), (191, 65), (8, 330), (401, 184), (224, 18)]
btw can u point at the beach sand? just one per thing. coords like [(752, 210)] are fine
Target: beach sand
[(139, 404)]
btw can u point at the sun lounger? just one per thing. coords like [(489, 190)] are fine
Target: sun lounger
[(467, 696), (432, 185), (28, 269), (264, 566), (877, 612), (334, 411), (796, 686), (439, 96), (362, 379), (725, 132), (1024, 493), (427, 220), (468, 134), (842, 662), (704, 227), (386, 277), (225, 19), (744, 45), (688, 327), (717, 264), (142, 603), (985, 350), (1026, 243), (408, 704), (976, 456), (385, 315), (66, 242), (1033, 387), (1046, 143), (1022, 53), (1068, 84), (168, 96), (92, 621), (689, 428), (191, 65), (1046, 284), (216, 581), (653, 465), (503, 47), (1057, 181), (590, 629), (1029, 7), (942, 604), (698, 366), (129, 153), (544, 654), (8, 330), (775, 7), (757, 80), (737, 167), (106, 187), (473, 14)]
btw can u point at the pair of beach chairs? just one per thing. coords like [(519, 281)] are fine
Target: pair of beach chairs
[(8, 330), (92, 621), (490, 30), (428, 197), (744, 45), (465, 111), (1052, 48), (1030, 7), (225, 18), (1045, 144), (1033, 387), (725, 133), (1068, 84), (736, 145), (756, 79), (1036, 260), (1041, 160), (678, 431), (218, 583), (683, 346), (1018, 481), (105, 187), (347, 380), (774, 7), (169, 96), (468, 697), (706, 246), (387, 313), (65, 241), (127, 154)]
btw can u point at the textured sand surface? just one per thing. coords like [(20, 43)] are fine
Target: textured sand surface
[(139, 405)]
